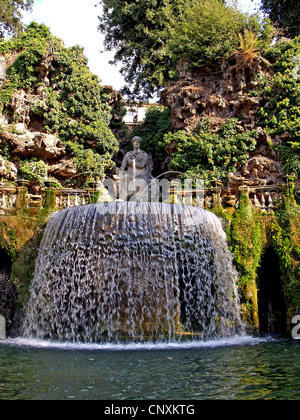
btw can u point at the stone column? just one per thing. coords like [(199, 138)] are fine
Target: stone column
[(50, 198), (22, 190)]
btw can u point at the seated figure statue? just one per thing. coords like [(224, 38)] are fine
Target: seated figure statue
[(139, 166)]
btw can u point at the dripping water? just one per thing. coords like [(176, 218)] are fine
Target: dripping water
[(133, 271)]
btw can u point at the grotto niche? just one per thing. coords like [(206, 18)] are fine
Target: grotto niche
[(271, 303), (7, 290)]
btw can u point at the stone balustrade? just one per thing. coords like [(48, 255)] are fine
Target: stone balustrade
[(8, 198), (72, 198), (265, 198)]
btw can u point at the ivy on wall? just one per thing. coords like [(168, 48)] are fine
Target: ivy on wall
[(250, 232), (280, 115), (77, 106)]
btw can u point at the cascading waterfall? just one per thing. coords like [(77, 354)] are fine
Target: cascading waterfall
[(4, 286), (140, 271)]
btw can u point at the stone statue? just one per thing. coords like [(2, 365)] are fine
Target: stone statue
[(138, 165)]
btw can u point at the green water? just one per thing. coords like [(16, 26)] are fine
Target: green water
[(246, 368)]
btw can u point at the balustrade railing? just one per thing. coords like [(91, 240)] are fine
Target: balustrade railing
[(72, 198), (266, 198), (8, 198)]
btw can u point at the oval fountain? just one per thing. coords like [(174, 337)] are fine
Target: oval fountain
[(133, 270), (127, 270)]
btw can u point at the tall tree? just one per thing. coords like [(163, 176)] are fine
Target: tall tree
[(10, 16), (138, 31), (286, 13), (150, 36)]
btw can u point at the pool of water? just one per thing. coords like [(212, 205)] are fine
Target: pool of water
[(238, 368)]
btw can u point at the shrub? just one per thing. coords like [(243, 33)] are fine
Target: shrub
[(77, 106), (210, 156), (34, 170)]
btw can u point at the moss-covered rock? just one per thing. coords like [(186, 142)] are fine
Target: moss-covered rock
[(250, 233)]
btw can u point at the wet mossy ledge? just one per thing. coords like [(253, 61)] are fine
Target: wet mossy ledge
[(20, 236), (250, 231)]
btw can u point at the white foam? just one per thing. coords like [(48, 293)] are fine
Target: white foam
[(149, 346)]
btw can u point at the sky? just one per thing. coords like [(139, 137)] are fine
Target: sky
[(76, 22)]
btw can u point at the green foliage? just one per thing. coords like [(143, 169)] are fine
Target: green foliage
[(24, 264), (30, 46), (155, 126), (290, 153), (208, 30), (247, 240), (210, 156), (250, 233), (10, 16), (8, 88), (150, 36), (34, 170), (77, 106), (285, 236), (89, 163), (8, 240), (286, 13), (282, 93)]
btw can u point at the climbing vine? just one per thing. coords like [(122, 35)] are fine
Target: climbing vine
[(280, 115), (250, 233)]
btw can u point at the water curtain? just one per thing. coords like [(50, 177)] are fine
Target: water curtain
[(133, 271)]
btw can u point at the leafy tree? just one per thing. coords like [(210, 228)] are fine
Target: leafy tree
[(206, 30), (150, 36), (286, 13), (10, 16), (139, 30)]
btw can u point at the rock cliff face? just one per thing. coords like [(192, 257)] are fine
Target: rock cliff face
[(27, 138), (221, 91), (22, 123)]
